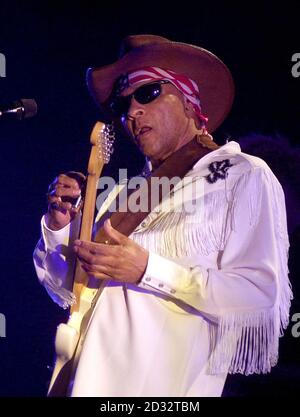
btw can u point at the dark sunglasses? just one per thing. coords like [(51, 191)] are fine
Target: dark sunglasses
[(143, 95)]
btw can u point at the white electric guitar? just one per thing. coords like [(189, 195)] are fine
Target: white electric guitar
[(69, 337)]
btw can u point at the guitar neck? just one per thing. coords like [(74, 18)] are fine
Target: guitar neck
[(95, 166), (80, 277), (89, 208)]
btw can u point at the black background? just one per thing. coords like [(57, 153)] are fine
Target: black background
[(48, 47)]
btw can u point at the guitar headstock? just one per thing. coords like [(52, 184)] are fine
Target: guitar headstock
[(102, 139)]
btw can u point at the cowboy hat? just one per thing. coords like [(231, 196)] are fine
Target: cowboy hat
[(208, 71)]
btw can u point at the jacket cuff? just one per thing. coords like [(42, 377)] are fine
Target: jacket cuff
[(165, 275), (55, 238)]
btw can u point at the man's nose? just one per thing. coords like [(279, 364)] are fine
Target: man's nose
[(135, 109)]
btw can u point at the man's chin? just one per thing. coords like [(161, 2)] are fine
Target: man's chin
[(145, 148)]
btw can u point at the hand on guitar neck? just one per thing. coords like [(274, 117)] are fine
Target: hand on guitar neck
[(64, 200)]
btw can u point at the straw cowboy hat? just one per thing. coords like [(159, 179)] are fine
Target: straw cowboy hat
[(208, 71)]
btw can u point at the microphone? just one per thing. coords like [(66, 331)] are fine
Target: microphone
[(20, 109)]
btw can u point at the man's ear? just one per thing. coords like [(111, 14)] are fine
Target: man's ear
[(190, 112), (188, 107)]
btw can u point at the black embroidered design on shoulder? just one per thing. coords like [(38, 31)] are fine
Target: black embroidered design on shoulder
[(218, 170)]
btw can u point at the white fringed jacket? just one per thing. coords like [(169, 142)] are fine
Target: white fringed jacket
[(215, 296)]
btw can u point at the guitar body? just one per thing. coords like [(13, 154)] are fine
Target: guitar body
[(68, 343), (70, 336)]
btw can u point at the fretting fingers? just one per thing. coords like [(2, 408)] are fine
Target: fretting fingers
[(64, 193), (64, 198), (56, 203)]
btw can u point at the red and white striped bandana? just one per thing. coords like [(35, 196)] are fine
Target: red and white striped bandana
[(184, 84)]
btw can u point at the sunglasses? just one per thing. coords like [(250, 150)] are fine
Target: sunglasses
[(143, 95)]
